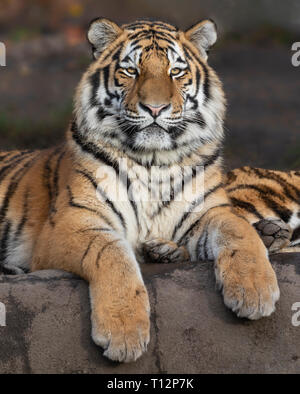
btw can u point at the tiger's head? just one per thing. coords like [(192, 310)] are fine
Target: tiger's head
[(150, 88)]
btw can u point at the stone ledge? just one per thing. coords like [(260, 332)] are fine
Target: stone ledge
[(48, 325)]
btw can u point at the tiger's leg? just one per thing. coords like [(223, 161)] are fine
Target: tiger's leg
[(274, 232), (119, 299), (162, 251), (242, 268)]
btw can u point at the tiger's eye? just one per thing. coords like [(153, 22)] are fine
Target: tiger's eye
[(131, 70), (175, 71)]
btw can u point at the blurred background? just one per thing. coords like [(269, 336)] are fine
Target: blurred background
[(47, 53)]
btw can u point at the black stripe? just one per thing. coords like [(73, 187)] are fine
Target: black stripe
[(92, 149), (262, 190), (206, 163), (199, 120), (198, 76), (245, 169), (47, 173), (145, 25), (166, 34), (287, 187), (142, 37), (205, 243), (4, 171), (230, 178), (8, 160), (103, 249), (246, 206), (193, 205), (206, 85), (211, 159), (56, 174), (115, 53), (104, 195), (198, 221), (138, 35), (52, 209), (205, 233), (98, 154), (24, 216), (17, 178), (283, 212), (87, 249), (106, 73), (4, 241), (165, 27), (73, 204), (134, 48), (162, 38), (95, 82), (193, 100)]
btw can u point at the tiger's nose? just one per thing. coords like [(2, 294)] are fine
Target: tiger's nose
[(154, 110)]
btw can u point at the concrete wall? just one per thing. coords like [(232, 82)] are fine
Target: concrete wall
[(48, 325)]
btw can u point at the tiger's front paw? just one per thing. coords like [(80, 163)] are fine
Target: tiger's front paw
[(122, 328), (162, 251), (248, 284)]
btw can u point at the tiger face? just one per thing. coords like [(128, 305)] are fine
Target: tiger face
[(150, 88)]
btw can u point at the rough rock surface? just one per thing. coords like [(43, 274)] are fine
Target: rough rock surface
[(48, 325)]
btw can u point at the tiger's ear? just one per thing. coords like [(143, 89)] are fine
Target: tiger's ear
[(102, 32), (203, 35)]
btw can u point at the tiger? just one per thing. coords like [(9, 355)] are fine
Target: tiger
[(148, 116)]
